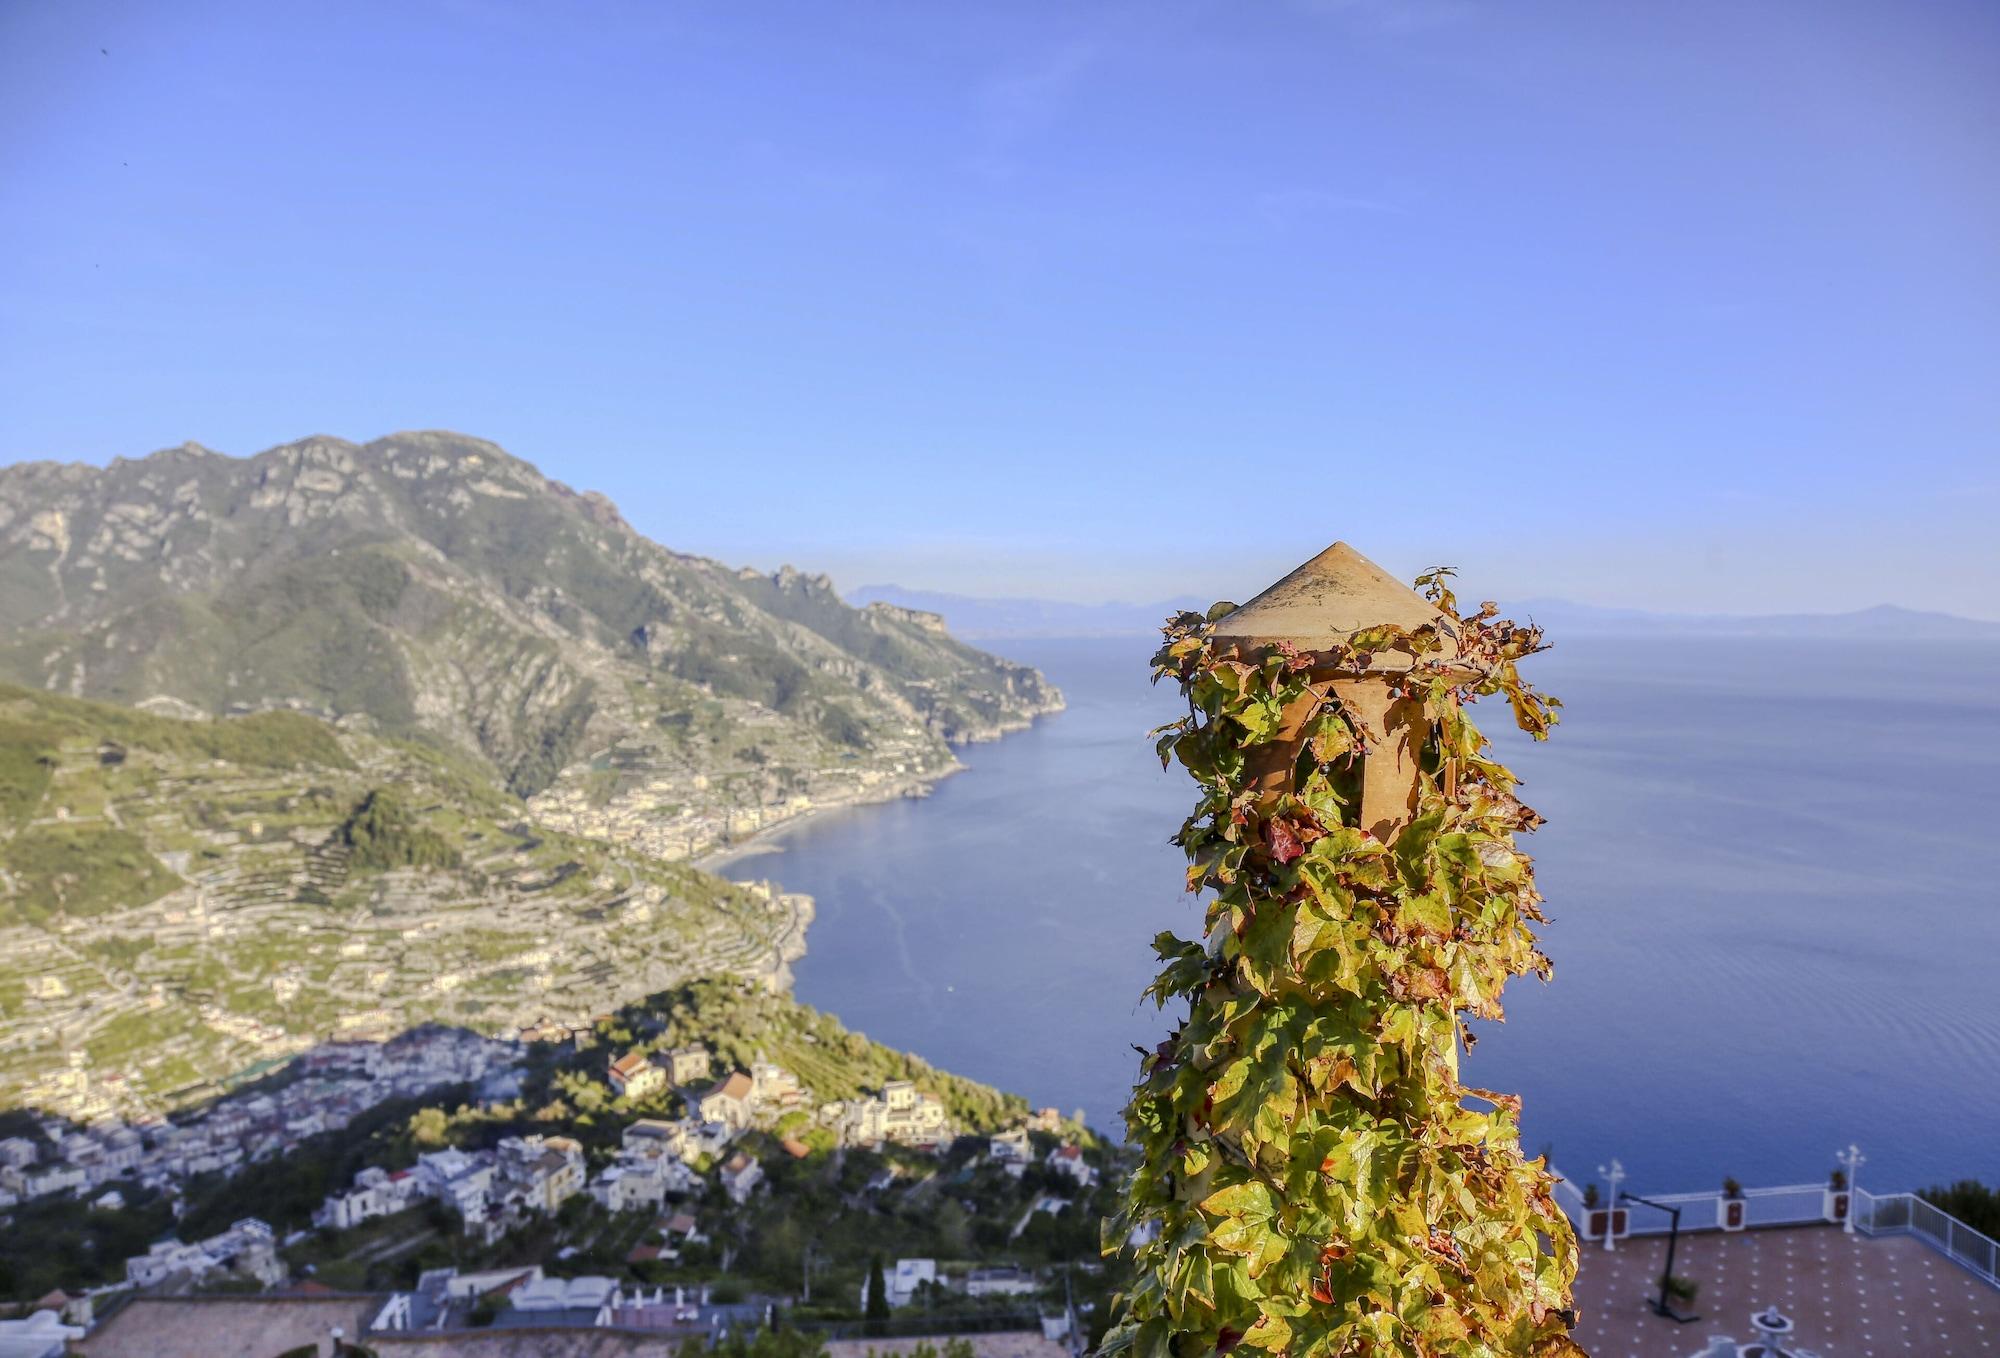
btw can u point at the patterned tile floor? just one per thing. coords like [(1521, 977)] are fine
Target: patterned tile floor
[(1851, 1297)]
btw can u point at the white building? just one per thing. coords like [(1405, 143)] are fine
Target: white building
[(248, 1249), (376, 1193), (460, 1181), (41, 1335), (741, 1176), (1001, 1282), (729, 1101), (774, 1086), (685, 1065), (1069, 1160), (38, 1180), (653, 1139), (541, 1172), (903, 1113), (1011, 1148), (907, 1277), (634, 1075)]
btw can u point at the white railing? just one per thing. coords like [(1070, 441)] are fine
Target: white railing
[(1908, 1214), (1789, 1205), (1784, 1205)]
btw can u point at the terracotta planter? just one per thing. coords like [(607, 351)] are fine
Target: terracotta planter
[(1836, 1204)]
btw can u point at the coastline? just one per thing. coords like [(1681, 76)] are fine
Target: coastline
[(769, 839)]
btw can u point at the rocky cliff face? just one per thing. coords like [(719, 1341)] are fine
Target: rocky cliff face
[(430, 583)]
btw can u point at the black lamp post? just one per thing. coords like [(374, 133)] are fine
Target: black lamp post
[(1661, 1306)]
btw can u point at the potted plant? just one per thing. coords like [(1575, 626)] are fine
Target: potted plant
[(1680, 1289), (1729, 1207), (1836, 1195), (1595, 1219)]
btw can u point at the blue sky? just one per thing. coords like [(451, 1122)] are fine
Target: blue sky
[(1682, 305)]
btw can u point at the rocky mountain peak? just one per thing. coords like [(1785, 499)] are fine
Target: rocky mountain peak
[(431, 582)]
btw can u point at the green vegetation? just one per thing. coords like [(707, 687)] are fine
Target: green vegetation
[(742, 1023), (37, 719), (28, 760), (1321, 1181), (385, 834), (509, 921), (1971, 1201), (878, 1294), (80, 870)]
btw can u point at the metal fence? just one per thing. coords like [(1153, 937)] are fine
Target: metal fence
[(1908, 1214)]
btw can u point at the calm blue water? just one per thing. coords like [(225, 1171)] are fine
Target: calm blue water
[(1770, 873)]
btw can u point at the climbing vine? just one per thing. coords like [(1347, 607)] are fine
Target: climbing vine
[(1315, 1179)]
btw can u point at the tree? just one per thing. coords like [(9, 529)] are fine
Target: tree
[(877, 1310), (1320, 1181), (1970, 1201), (428, 1126)]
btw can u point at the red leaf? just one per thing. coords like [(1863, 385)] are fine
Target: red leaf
[(1284, 842)]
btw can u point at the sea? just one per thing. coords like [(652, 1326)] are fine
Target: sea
[(1770, 870)]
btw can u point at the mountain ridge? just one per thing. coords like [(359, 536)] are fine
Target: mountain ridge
[(430, 584)]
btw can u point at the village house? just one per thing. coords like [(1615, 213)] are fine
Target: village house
[(910, 1116), (375, 1193), (773, 1086), (901, 1113), (651, 1138), (685, 1065), (630, 1187), (247, 1250), (909, 1274), (741, 1176), (728, 1102), (39, 1180), (705, 1139), (1011, 1149), (1069, 1160), (634, 1076), (460, 1181), (539, 1173)]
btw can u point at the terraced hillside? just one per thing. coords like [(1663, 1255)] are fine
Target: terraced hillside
[(182, 901), (428, 583)]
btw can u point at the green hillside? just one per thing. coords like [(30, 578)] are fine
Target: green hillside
[(182, 900)]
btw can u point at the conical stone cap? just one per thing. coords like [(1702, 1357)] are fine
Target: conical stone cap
[(1327, 600)]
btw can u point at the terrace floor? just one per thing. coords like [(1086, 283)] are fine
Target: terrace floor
[(1850, 1296)]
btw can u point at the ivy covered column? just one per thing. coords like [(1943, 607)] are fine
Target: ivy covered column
[(1316, 1180)]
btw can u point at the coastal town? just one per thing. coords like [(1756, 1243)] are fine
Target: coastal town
[(670, 1175), (323, 1091), (642, 799)]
